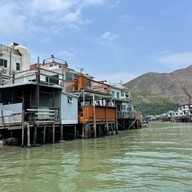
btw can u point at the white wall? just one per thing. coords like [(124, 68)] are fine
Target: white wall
[(69, 110)]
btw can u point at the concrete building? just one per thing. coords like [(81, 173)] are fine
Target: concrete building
[(13, 58)]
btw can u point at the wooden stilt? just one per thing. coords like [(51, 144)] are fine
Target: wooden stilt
[(124, 125), (137, 124), (116, 127), (35, 135), (23, 135), (61, 132), (83, 131), (86, 131), (132, 124), (107, 128), (75, 131), (99, 130), (53, 133), (28, 136), (112, 128), (94, 118), (23, 122), (44, 133), (95, 130), (88, 128)]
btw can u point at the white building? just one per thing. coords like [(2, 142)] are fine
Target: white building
[(13, 58)]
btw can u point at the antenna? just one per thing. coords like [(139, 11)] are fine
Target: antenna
[(81, 70)]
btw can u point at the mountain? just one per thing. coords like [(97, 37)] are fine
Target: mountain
[(156, 93)]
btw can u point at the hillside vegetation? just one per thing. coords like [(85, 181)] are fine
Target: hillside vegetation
[(156, 93)]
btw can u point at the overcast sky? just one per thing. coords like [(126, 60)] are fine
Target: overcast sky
[(113, 40)]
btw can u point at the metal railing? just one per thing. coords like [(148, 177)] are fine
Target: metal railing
[(40, 76), (8, 49)]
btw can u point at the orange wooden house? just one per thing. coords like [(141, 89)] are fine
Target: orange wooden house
[(96, 114)]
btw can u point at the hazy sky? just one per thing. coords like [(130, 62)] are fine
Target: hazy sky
[(113, 40)]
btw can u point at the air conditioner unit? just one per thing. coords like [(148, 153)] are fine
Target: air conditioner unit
[(4, 71)]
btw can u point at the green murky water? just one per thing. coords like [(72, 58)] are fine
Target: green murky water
[(156, 158)]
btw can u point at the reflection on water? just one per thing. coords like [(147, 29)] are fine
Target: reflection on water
[(156, 158)]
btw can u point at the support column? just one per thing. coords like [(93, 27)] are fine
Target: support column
[(88, 130), (112, 128), (35, 134), (44, 133), (53, 133), (107, 124), (23, 130), (61, 132), (23, 135), (116, 127), (83, 131), (94, 118), (99, 129), (75, 131), (28, 136)]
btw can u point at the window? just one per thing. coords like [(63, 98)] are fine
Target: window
[(18, 66), (3, 63), (117, 94), (69, 76), (123, 107), (53, 79), (88, 83), (70, 99)]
